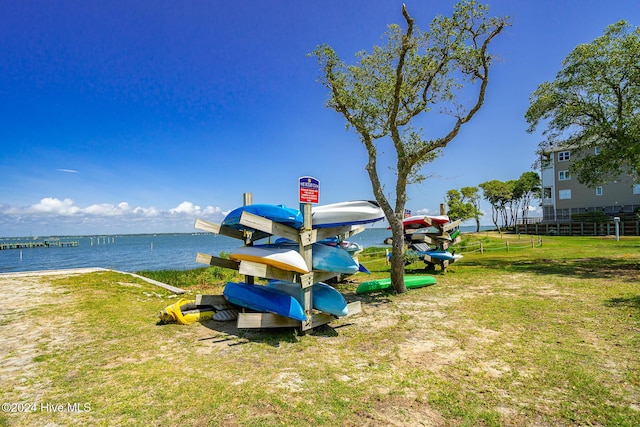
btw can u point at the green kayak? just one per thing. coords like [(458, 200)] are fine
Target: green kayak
[(381, 284)]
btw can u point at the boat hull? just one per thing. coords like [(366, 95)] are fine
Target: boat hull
[(441, 255), (346, 213), (284, 258), (262, 298), (424, 221), (277, 213), (324, 297), (411, 282)]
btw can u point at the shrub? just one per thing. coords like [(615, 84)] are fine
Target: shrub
[(595, 216)]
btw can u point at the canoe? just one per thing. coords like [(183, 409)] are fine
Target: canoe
[(346, 213), (324, 297), (277, 213), (334, 259), (324, 257), (284, 258), (423, 221), (350, 247), (264, 299), (411, 282), (441, 255)]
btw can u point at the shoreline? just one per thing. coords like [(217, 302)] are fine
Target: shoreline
[(86, 270)]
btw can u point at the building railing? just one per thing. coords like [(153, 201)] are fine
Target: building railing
[(529, 220), (626, 228), (626, 212)]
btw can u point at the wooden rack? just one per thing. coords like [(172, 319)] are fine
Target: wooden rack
[(256, 228), (441, 240)]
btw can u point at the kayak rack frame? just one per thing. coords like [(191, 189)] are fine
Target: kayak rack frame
[(258, 227), (442, 240)]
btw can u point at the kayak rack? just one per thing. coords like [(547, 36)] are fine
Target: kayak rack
[(258, 227), (442, 240)]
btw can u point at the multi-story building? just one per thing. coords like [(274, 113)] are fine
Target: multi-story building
[(563, 195)]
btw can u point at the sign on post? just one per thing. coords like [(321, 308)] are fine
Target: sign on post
[(309, 189)]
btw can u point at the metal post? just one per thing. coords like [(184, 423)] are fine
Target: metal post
[(617, 222)]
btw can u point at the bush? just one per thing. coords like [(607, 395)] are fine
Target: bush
[(595, 216)]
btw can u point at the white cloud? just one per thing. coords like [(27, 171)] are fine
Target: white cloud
[(424, 211), (210, 210), (185, 208), (188, 208), (67, 170), (54, 206), (107, 209), (148, 212), (54, 215)]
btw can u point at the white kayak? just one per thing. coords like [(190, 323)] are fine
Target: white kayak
[(279, 257), (346, 213)]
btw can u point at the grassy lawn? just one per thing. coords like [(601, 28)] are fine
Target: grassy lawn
[(540, 336)]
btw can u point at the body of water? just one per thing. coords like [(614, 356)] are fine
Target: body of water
[(133, 253), (136, 252)]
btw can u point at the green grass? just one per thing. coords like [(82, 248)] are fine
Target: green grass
[(535, 336)]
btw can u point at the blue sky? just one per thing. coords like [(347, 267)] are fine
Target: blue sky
[(139, 116)]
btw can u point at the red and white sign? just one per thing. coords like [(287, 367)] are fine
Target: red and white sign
[(309, 189)]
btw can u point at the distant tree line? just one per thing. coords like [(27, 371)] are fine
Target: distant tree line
[(510, 200)]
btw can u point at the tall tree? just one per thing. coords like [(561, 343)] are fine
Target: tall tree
[(527, 187), (472, 196), (500, 195), (464, 205), (414, 72), (595, 102)]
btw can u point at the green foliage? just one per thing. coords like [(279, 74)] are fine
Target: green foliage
[(498, 194), (196, 277), (499, 331), (464, 204), (511, 199), (595, 216), (411, 257), (595, 102), (411, 75)]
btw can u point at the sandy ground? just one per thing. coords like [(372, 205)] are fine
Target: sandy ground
[(21, 340)]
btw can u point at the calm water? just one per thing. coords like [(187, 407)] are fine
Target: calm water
[(133, 253), (137, 252)]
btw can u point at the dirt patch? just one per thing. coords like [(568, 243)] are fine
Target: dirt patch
[(25, 337), (402, 350)]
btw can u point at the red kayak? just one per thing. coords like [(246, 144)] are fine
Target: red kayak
[(422, 221)]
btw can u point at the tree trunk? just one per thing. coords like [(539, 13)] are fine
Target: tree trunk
[(395, 221), (397, 257)]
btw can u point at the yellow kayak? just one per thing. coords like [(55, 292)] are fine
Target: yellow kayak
[(185, 312)]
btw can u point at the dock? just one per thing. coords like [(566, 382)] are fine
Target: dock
[(54, 243)]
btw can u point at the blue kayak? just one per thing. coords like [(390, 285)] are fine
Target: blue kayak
[(325, 258), (262, 298), (436, 254), (441, 255), (277, 213), (324, 297)]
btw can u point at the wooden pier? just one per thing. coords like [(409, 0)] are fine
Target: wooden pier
[(54, 243)]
